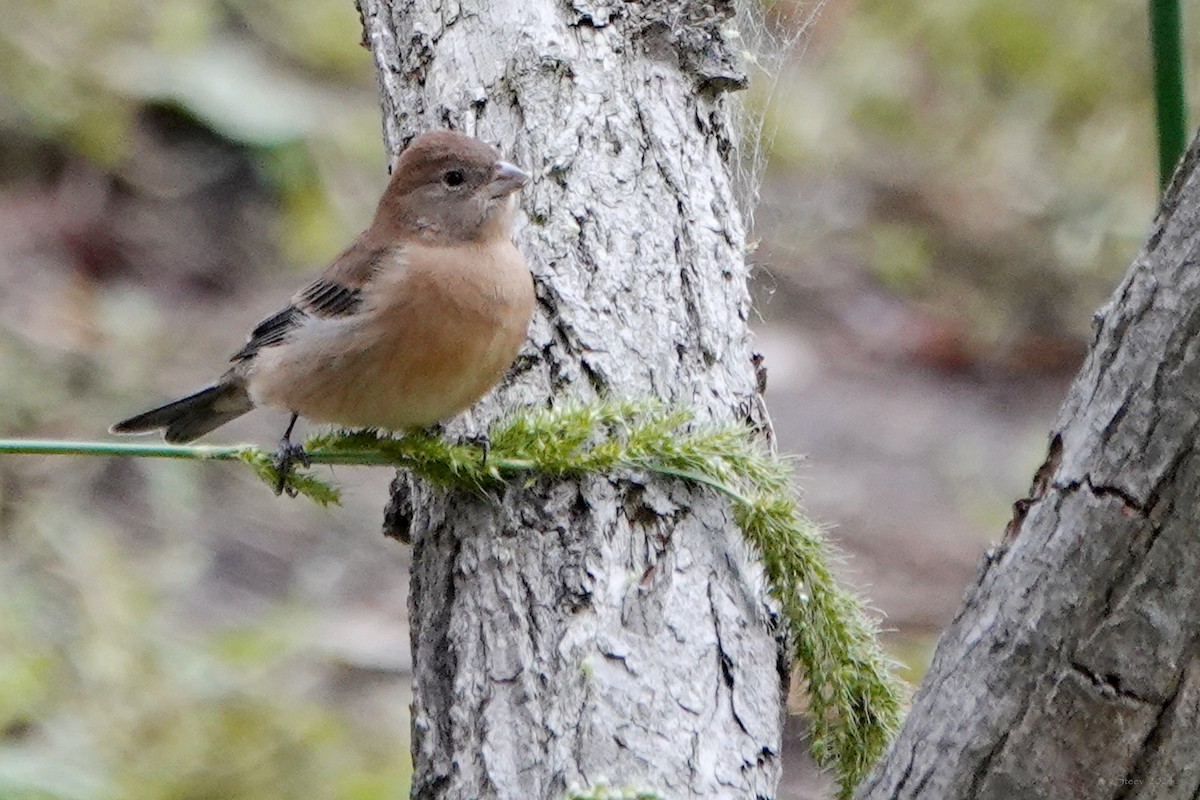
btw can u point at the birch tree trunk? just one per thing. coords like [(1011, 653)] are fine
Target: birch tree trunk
[(573, 631), (1072, 669)]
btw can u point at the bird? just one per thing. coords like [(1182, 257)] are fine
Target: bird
[(415, 321)]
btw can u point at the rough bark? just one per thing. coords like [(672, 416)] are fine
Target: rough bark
[(609, 628), (1072, 669)]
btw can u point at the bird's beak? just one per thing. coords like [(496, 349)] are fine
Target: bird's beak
[(506, 179)]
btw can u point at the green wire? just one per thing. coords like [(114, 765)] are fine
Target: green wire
[(1170, 105)]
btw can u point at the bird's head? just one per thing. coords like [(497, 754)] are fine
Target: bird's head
[(448, 188)]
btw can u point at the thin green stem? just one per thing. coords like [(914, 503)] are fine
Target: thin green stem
[(319, 455), (1166, 42), (50, 447)]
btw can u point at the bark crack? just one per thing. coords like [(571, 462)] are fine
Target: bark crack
[(1171, 472), (1104, 491), (1042, 481), (1127, 315), (908, 768), (1114, 422), (725, 663), (920, 787), (983, 769), (1142, 761), (1125, 497), (532, 605), (1109, 684)]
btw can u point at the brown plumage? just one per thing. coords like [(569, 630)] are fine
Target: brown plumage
[(414, 322)]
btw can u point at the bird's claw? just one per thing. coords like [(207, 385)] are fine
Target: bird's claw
[(484, 443), (286, 457)]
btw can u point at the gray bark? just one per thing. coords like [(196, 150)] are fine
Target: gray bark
[(1072, 669), (614, 627)]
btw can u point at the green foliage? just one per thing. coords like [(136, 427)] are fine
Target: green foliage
[(901, 256), (1016, 135), (286, 80), (100, 696)]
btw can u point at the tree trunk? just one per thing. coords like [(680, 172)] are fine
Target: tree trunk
[(1072, 669), (569, 632)]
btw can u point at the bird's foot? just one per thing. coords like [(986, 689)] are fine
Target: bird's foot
[(484, 443), (287, 455)]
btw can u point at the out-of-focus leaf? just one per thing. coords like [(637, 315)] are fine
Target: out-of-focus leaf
[(1017, 134), (227, 84), (36, 776)]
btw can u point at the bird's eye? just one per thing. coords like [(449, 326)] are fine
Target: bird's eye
[(453, 177)]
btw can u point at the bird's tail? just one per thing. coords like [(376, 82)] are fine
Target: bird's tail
[(195, 415)]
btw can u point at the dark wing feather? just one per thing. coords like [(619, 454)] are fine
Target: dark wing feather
[(324, 298), (271, 331)]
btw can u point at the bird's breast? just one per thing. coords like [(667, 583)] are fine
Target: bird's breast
[(436, 333)]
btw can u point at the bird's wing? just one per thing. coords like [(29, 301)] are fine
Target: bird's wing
[(337, 293)]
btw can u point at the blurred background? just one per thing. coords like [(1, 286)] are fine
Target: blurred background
[(951, 188)]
